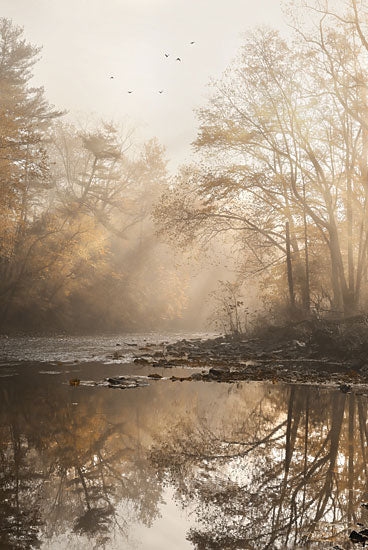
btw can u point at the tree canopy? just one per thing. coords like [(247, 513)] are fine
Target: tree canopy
[(78, 249), (283, 142)]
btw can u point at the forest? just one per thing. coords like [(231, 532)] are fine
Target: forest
[(78, 248), (92, 222), (184, 332)]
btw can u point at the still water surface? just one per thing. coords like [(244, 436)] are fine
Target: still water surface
[(172, 465)]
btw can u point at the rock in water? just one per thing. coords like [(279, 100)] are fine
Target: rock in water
[(217, 372), (345, 388), (357, 538), (113, 381)]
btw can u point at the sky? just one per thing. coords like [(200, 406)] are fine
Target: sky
[(85, 42)]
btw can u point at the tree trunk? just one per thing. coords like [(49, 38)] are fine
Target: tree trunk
[(306, 252), (349, 219), (337, 266), (289, 267)]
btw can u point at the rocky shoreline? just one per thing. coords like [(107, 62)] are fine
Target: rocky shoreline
[(310, 352)]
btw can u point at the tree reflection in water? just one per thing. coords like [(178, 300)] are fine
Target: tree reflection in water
[(257, 467), (290, 474), (66, 469)]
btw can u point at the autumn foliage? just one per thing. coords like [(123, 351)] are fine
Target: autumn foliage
[(78, 249), (282, 162)]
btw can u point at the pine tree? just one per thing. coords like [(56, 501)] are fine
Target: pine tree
[(25, 117)]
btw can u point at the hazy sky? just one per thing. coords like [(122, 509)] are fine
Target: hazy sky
[(87, 41)]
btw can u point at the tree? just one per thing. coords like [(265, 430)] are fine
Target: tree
[(25, 117), (89, 257), (98, 175), (279, 147), (338, 40)]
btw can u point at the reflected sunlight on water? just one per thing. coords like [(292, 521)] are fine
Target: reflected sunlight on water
[(84, 348)]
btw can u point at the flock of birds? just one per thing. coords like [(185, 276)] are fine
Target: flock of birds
[(166, 56)]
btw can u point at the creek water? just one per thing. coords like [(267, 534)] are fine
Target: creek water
[(172, 465)]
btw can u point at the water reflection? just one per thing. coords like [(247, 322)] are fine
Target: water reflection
[(253, 466), (290, 473), (67, 468)]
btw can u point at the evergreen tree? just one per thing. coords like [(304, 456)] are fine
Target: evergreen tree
[(25, 117)]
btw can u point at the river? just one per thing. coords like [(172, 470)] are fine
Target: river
[(170, 465)]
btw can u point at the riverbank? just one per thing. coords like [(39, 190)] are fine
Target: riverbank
[(333, 353), (312, 351)]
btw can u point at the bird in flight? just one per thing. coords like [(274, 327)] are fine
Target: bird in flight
[(111, 77), (178, 59), (167, 54), (160, 91), (192, 42), (130, 91)]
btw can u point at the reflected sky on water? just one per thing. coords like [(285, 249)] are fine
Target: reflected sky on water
[(177, 465)]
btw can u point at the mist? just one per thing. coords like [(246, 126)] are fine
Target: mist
[(183, 274), (253, 206)]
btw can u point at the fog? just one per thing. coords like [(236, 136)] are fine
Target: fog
[(84, 43), (183, 274), (182, 165)]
